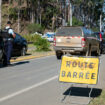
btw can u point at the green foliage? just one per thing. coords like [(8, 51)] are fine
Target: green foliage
[(13, 13), (100, 100), (46, 17), (75, 22), (30, 37), (50, 10), (95, 29), (41, 44), (44, 10), (32, 28)]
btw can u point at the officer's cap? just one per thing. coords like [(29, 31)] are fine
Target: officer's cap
[(9, 22)]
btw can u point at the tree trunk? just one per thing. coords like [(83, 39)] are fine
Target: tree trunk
[(0, 13), (8, 9), (70, 14), (40, 19), (32, 16), (19, 20)]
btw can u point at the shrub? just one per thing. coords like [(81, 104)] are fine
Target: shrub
[(41, 44), (30, 37), (32, 28)]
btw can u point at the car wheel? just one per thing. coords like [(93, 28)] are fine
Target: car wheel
[(58, 55), (23, 51)]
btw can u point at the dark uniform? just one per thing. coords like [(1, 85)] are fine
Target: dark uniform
[(8, 46)]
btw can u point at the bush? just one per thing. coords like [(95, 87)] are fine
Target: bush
[(41, 44), (30, 37), (32, 28)]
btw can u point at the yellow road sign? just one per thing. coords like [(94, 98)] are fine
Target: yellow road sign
[(79, 70)]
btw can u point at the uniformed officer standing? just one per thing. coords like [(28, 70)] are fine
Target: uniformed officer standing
[(8, 44)]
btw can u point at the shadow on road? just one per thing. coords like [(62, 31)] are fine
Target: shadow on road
[(20, 63), (18, 55), (82, 92), (28, 54), (15, 64), (80, 95)]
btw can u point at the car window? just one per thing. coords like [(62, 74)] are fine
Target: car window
[(50, 36), (103, 36), (98, 36), (69, 31), (87, 32), (94, 35)]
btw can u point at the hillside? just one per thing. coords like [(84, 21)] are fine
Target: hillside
[(27, 13), (50, 14)]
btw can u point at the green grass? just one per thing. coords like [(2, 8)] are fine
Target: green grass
[(31, 45), (99, 100)]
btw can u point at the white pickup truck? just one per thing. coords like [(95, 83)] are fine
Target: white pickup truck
[(75, 40)]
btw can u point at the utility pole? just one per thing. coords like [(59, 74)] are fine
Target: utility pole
[(0, 12), (19, 19), (65, 10), (68, 11), (70, 14), (100, 23)]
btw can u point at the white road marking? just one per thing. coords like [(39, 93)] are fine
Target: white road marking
[(27, 89)]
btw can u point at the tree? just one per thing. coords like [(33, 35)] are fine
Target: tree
[(88, 10), (19, 2), (0, 13)]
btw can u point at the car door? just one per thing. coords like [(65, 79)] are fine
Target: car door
[(95, 42), (17, 43)]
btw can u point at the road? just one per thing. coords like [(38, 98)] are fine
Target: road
[(35, 82)]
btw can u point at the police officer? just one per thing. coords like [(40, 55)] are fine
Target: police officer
[(8, 44)]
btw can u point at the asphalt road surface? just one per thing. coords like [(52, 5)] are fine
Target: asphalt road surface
[(35, 82)]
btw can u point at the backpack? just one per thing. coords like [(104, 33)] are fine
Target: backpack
[(4, 33)]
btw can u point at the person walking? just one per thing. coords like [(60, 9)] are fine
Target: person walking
[(8, 44)]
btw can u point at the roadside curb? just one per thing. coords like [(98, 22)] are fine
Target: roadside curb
[(31, 57)]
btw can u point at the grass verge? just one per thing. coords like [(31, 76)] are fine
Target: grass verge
[(99, 100)]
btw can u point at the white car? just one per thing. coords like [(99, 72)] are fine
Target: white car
[(49, 36), (36, 33)]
